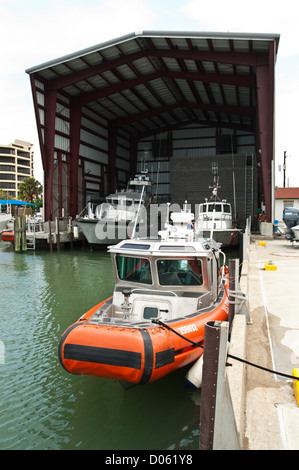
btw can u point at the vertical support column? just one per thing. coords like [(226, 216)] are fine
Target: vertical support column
[(265, 99), (112, 146), (133, 160), (50, 114), (59, 184), (76, 112), (38, 121)]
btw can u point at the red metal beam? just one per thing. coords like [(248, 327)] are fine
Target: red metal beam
[(265, 106), (75, 126), (133, 159), (207, 123), (235, 58), (241, 110), (38, 121), (49, 136), (112, 147), (224, 79)]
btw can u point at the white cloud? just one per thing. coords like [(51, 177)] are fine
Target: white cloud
[(267, 16), (38, 31)]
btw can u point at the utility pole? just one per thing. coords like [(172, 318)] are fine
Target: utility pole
[(284, 168)]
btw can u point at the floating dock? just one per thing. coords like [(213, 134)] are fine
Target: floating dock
[(30, 235)]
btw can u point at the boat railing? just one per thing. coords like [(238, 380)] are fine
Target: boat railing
[(85, 210), (141, 289)]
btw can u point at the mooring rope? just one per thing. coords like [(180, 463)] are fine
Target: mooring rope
[(198, 345)]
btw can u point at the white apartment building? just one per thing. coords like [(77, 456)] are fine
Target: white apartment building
[(16, 164)]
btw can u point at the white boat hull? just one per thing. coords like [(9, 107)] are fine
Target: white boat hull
[(4, 219), (103, 233), (296, 233), (227, 237)]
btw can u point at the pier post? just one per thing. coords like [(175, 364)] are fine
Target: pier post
[(50, 236), (57, 233), (218, 430), (20, 233)]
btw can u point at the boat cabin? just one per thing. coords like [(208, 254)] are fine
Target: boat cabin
[(220, 213), (158, 280)]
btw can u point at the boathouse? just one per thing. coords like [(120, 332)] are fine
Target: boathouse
[(179, 100)]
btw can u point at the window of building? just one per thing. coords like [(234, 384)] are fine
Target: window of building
[(8, 176), (23, 162), (7, 150), (7, 185), (21, 153), (7, 168), (25, 171), (7, 159)]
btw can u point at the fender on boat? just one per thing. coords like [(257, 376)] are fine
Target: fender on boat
[(194, 374), (8, 236), (137, 355)]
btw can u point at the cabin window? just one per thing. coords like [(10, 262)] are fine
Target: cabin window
[(217, 207), (226, 208), (134, 269), (180, 272)]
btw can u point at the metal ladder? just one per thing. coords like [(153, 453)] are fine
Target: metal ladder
[(248, 186), (30, 235)]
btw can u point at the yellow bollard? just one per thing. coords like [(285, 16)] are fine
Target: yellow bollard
[(262, 243), (270, 266)]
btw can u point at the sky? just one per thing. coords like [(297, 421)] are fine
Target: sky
[(36, 31)]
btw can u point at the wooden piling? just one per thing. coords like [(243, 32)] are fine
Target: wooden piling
[(20, 233), (209, 384), (50, 236), (218, 430), (57, 233)]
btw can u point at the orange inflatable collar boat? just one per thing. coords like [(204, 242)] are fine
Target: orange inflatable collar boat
[(165, 292)]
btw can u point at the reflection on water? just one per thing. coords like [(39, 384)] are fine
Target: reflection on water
[(44, 407)]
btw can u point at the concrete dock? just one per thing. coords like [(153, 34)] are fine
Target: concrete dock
[(266, 410)]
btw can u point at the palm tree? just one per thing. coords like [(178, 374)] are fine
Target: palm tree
[(30, 190)]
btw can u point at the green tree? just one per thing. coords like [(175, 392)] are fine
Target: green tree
[(4, 195), (30, 190)]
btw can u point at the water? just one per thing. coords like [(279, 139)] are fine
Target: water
[(43, 407)]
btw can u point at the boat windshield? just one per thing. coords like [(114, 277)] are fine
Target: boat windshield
[(186, 272), (134, 269), (216, 207)]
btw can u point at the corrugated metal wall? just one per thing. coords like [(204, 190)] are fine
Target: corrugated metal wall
[(161, 152), (193, 148)]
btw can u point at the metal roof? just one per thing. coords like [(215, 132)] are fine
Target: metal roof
[(155, 80)]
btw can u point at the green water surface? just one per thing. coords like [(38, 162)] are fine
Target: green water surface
[(43, 407)]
